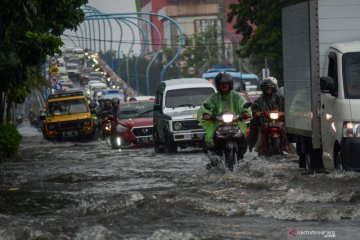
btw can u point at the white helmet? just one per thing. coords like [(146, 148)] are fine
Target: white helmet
[(274, 80)]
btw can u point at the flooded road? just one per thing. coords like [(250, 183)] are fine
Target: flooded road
[(68, 190)]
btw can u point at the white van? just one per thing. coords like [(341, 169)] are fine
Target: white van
[(78, 52), (67, 53), (176, 104), (91, 88)]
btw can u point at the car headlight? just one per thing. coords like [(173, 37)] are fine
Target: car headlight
[(351, 129), (87, 122), (274, 115), (178, 126), (120, 128)]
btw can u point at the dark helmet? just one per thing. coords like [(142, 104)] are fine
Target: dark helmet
[(92, 104), (115, 100), (267, 83), (223, 77)]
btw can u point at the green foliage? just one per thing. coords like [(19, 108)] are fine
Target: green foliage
[(200, 50), (9, 140), (30, 31), (259, 21)]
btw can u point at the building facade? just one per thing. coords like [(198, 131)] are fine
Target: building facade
[(193, 16)]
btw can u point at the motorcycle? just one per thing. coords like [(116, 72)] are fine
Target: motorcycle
[(32, 119), (229, 139), (19, 119), (106, 126), (272, 133)]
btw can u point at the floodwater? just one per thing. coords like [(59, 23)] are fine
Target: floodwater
[(70, 190)]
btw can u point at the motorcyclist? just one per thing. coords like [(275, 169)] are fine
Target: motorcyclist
[(32, 117), (268, 101), (241, 87), (106, 107), (41, 118), (115, 106), (95, 113), (274, 80), (224, 100)]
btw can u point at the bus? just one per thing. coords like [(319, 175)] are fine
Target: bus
[(242, 81)]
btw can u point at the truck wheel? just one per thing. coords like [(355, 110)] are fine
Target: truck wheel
[(308, 157), (169, 146), (338, 162), (157, 147), (316, 159), (46, 137), (300, 152), (157, 143), (307, 161)]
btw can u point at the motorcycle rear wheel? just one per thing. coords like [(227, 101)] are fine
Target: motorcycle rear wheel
[(275, 146)]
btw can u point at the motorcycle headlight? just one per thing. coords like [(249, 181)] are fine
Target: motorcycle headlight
[(120, 128), (274, 115), (108, 127), (228, 118), (178, 126), (351, 129)]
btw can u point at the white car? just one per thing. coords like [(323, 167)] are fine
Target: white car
[(140, 98), (91, 88), (111, 93), (73, 71)]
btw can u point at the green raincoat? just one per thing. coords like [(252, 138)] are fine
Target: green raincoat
[(231, 102)]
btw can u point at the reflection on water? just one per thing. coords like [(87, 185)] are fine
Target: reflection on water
[(72, 190)]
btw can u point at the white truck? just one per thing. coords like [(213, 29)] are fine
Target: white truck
[(321, 57)]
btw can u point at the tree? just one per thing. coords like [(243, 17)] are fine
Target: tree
[(259, 21), (201, 51), (30, 31)]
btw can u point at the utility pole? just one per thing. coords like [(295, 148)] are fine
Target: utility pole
[(222, 13)]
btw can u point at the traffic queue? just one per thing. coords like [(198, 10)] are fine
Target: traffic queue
[(206, 113)]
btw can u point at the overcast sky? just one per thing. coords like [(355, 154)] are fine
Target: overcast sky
[(113, 6), (116, 6)]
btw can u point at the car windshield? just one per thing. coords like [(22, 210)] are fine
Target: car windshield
[(136, 110), (78, 51), (71, 67), (187, 97), (67, 84), (238, 84), (351, 71), (66, 107), (96, 74), (251, 81)]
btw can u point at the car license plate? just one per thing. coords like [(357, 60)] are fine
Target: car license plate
[(70, 133), (227, 129), (146, 139), (197, 136)]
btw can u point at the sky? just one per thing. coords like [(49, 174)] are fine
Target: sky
[(113, 6), (116, 6)]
